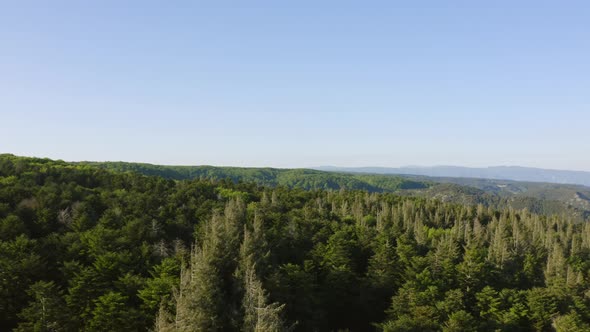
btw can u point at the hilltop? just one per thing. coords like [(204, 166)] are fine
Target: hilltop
[(542, 198)]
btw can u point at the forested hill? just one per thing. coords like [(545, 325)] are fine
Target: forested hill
[(541, 198), (515, 173), (88, 249), (300, 178)]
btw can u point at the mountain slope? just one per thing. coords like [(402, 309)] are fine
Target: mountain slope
[(539, 198), (299, 178), (515, 173), (542, 198)]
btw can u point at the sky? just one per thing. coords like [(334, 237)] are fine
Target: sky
[(298, 83)]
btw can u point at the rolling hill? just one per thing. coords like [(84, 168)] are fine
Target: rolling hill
[(515, 173), (542, 198)]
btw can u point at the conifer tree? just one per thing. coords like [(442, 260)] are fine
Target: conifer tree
[(259, 314)]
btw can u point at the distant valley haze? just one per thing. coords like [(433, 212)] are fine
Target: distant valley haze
[(514, 173)]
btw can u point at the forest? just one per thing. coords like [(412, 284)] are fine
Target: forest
[(89, 248), (537, 197)]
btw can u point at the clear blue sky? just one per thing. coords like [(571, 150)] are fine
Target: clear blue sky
[(298, 83)]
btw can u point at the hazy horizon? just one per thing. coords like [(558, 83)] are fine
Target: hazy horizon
[(298, 85), (294, 167)]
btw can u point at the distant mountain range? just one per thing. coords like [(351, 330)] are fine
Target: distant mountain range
[(515, 173)]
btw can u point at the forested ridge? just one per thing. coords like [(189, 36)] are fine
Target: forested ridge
[(540, 198), (307, 179), (84, 248)]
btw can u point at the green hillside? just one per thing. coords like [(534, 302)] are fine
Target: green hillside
[(541, 198), (295, 178)]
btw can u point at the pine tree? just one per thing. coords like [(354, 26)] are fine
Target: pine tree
[(164, 321), (460, 321), (259, 315), (111, 313), (199, 299), (47, 311)]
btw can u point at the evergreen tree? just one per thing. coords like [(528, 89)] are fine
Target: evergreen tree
[(46, 312)]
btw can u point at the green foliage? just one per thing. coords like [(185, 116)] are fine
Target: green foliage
[(571, 322), (20, 264), (460, 321), (46, 311), (158, 288), (540, 198), (294, 178), (83, 248), (543, 306), (111, 313)]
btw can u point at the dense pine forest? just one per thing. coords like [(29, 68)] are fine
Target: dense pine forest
[(83, 248)]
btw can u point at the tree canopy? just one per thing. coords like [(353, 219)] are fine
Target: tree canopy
[(83, 248)]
